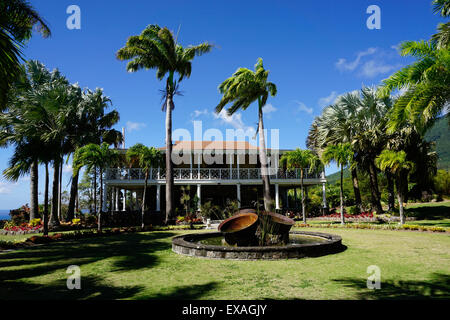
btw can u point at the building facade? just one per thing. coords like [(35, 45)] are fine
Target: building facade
[(215, 171)]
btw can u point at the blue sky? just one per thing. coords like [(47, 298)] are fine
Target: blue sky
[(314, 51)]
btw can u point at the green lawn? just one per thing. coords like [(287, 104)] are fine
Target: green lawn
[(142, 266)]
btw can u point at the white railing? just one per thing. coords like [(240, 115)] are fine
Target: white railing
[(207, 174)]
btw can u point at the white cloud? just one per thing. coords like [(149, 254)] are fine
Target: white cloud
[(198, 113), (325, 101), (373, 68), (303, 107), (269, 108), (344, 65), (134, 126), (6, 188), (370, 63)]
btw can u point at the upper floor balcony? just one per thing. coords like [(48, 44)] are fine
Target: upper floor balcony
[(212, 174)]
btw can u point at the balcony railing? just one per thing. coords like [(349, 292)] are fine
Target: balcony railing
[(207, 174)]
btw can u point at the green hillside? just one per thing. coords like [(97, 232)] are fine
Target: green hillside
[(439, 133)]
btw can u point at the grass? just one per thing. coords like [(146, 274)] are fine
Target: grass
[(142, 266)]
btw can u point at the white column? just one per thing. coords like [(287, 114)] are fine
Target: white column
[(190, 164), (238, 194), (124, 199), (277, 197), (117, 199), (324, 201), (199, 196), (158, 197)]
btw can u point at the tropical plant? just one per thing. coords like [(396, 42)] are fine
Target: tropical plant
[(242, 89), (145, 158), (156, 48), (17, 19), (95, 156), (426, 83), (442, 38), (342, 154), (337, 125), (90, 123), (303, 160), (397, 163)]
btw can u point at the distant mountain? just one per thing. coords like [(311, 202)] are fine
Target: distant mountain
[(439, 133)]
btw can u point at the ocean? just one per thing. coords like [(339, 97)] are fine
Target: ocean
[(4, 214)]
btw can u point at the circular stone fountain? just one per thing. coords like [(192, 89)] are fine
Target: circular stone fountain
[(249, 236)]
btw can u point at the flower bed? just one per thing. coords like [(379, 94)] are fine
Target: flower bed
[(376, 227), (35, 226)]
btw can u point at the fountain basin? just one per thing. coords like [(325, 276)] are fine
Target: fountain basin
[(190, 245)]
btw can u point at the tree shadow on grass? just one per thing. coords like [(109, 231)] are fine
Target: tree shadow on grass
[(91, 288), (438, 287), (429, 213), (184, 292), (130, 252)]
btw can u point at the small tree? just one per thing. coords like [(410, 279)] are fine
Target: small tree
[(96, 157), (301, 159), (145, 158), (397, 164), (342, 154)]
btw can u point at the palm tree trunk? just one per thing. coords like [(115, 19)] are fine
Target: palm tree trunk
[(169, 166), (342, 194), (73, 195), (143, 198), (99, 228), (54, 221), (264, 165), (34, 205), (358, 202), (46, 201), (375, 194), (60, 188), (390, 189), (95, 190), (303, 196)]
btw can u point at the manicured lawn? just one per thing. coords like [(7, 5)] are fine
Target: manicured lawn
[(142, 266)]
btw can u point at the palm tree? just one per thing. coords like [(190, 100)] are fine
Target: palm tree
[(399, 166), (300, 159), (342, 154), (242, 89), (145, 158), (17, 19), (156, 48), (427, 85), (336, 125), (95, 157), (442, 38), (90, 124)]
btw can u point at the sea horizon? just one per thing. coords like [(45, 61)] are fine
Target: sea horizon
[(4, 214)]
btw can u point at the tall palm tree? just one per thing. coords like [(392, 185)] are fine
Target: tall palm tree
[(95, 157), (300, 159), (16, 122), (145, 158), (17, 19), (342, 154), (156, 48), (398, 165), (242, 89)]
